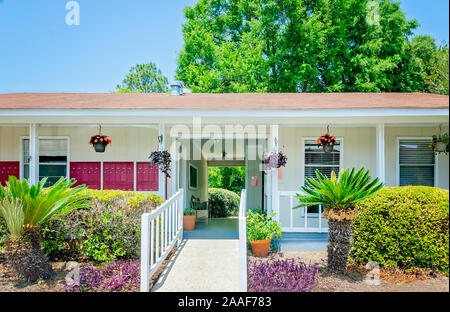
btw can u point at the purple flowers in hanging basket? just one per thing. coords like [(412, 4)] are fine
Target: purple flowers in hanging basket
[(274, 161), (281, 275), (440, 144), (163, 160)]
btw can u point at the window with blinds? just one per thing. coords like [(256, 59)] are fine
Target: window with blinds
[(53, 156), (317, 159), (417, 162)]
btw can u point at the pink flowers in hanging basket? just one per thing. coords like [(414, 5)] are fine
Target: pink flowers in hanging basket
[(327, 142), (99, 138), (99, 141), (326, 139)]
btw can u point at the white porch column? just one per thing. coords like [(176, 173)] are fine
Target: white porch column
[(274, 173), (174, 174), (162, 147), (381, 167), (34, 153)]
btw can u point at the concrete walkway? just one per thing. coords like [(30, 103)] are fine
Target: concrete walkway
[(202, 265)]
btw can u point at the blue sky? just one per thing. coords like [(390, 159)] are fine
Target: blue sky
[(39, 52)]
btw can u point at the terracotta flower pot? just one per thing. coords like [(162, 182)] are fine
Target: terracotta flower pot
[(189, 223), (260, 248)]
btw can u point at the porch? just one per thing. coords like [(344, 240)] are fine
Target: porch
[(397, 153)]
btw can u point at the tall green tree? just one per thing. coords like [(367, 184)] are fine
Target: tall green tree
[(299, 46), (229, 178), (144, 78), (437, 79)]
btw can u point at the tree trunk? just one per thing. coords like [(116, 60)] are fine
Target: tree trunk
[(339, 243), (25, 256)]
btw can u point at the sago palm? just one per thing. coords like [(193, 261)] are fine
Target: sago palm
[(339, 197), (25, 208)]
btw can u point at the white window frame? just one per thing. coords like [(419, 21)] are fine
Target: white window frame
[(320, 229), (189, 177), (21, 151), (341, 155), (397, 162)]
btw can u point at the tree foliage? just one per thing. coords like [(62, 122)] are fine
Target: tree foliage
[(144, 78), (229, 178), (302, 46)]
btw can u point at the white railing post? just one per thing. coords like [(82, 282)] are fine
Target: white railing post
[(145, 252), (380, 152), (243, 243), (180, 217), (161, 230)]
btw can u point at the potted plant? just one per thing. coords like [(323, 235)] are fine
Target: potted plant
[(274, 161), (99, 141), (260, 231), (440, 144), (201, 210), (189, 218), (163, 160), (327, 142), (339, 196)]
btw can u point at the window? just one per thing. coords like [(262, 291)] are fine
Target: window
[(316, 159), (53, 158), (193, 177), (416, 162)]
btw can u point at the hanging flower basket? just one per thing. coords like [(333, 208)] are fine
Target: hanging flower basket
[(440, 144), (327, 142), (163, 160), (274, 161), (99, 142)]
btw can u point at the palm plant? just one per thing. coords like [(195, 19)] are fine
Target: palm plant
[(25, 208), (339, 196)]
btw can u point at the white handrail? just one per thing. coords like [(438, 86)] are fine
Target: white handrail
[(243, 242), (160, 231)]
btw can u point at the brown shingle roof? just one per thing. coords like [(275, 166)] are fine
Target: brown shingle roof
[(253, 101)]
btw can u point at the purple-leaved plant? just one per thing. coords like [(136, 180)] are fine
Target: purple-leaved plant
[(116, 276), (281, 275)]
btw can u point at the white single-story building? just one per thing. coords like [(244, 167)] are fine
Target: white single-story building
[(388, 133)]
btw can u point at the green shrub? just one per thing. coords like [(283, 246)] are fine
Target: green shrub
[(223, 203), (403, 227), (108, 230)]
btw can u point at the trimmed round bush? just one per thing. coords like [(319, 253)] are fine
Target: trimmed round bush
[(223, 203), (403, 227)]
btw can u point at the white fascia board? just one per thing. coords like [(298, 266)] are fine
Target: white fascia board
[(391, 112)]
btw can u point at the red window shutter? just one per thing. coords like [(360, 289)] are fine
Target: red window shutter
[(147, 177), (88, 173), (118, 176), (8, 168)]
